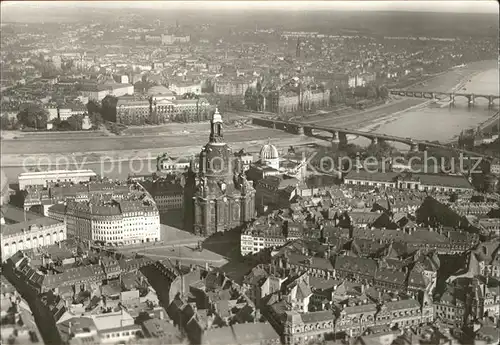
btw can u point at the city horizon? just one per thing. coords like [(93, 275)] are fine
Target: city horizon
[(417, 6), (250, 172)]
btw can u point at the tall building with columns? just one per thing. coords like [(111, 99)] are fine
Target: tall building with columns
[(218, 197)]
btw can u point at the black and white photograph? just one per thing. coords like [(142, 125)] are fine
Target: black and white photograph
[(250, 172)]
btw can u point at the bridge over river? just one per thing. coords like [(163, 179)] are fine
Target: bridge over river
[(339, 135), (471, 97)]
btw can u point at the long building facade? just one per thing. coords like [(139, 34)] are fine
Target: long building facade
[(30, 234), (111, 223), (43, 178)]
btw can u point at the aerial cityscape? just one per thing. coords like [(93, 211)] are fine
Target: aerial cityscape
[(250, 172)]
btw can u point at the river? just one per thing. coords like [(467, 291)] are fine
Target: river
[(432, 122), (426, 123)]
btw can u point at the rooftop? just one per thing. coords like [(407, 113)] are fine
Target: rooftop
[(28, 226)]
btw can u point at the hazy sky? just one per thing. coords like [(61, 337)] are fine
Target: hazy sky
[(470, 6)]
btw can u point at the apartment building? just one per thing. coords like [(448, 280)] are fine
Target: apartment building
[(111, 222)]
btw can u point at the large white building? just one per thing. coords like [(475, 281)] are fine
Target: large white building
[(171, 165), (182, 87), (35, 232), (43, 178), (165, 107), (111, 222), (98, 92)]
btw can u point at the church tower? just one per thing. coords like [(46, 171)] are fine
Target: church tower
[(222, 199)]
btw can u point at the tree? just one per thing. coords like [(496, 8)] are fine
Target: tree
[(93, 107), (56, 123), (34, 116), (75, 122), (4, 122), (108, 109), (96, 119), (360, 92), (380, 150), (190, 95), (383, 92), (250, 97), (64, 126), (371, 91)]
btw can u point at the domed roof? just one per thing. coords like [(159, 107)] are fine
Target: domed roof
[(159, 90), (269, 151)]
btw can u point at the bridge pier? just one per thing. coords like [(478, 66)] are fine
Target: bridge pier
[(343, 138), (491, 102), (413, 147), (374, 141), (335, 138), (300, 130), (470, 99), (452, 99)]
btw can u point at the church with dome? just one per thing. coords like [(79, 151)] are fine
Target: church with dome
[(218, 197), (269, 156), (272, 163)]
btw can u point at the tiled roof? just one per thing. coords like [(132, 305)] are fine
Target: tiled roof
[(317, 316), (402, 305), (358, 309), (372, 176), (17, 215), (28, 226), (356, 265), (364, 217), (444, 180), (73, 276), (390, 276)]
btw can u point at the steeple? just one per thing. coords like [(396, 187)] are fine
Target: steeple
[(216, 123), (216, 117)]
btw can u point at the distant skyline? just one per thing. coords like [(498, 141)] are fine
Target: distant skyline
[(471, 6)]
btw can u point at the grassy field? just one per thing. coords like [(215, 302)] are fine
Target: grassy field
[(118, 143)]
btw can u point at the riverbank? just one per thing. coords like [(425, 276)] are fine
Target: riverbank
[(377, 115), (464, 80)]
